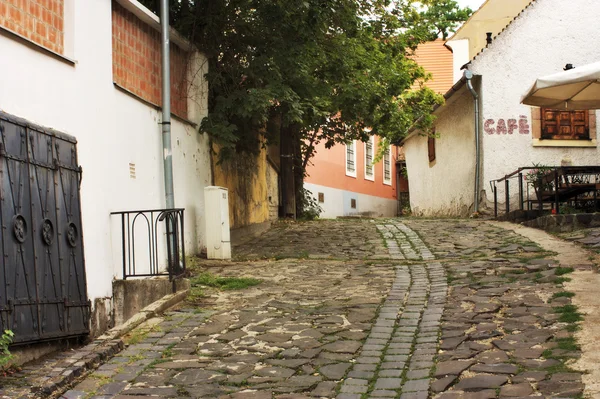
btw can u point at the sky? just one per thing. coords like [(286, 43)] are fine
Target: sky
[(474, 4)]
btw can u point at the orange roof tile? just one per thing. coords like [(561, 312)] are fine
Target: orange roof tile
[(436, 59)]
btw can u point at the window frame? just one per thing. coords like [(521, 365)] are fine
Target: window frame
[(388, 152), (368, 163), (351, 172), (545, 136), (538, 141)]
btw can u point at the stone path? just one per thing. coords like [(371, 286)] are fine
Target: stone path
[(402, 308)]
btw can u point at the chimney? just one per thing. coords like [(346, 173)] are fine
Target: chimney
[(488, 38)]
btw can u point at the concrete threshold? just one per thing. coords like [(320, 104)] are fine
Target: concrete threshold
[(34, 382)]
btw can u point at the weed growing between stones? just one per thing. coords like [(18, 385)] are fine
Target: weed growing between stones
[(559, 271), (223, 283), (563, 294), (568, 314), (5, 356)]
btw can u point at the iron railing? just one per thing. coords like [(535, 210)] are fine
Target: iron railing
[(576, 186), (160, 228)]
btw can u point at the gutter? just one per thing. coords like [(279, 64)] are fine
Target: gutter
[(468, 76)]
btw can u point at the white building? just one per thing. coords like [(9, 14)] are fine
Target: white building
[(544, 37), (91, 69)]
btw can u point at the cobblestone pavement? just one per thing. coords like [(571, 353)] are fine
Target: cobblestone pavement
[(399, 308), (589, 238)]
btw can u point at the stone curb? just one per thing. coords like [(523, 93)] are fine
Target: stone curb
[(102, 349), (145, 314)]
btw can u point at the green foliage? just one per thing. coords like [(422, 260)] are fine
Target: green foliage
[(325, 71), (565, 294), (310, 206), (5, 340), (224, 283), (568, 314), (559, 271)]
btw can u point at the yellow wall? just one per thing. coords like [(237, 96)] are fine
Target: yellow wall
[(493, 16), (247, 179)]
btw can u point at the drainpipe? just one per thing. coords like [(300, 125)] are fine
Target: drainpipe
[(469, 75), (166, 105), (166, 139)]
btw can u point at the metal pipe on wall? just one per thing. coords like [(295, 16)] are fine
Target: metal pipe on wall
[(469, 75), (166, 105)]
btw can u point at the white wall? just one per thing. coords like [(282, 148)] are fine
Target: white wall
[(338, 203), (445, 186), (547, 36), (113, 129), (460, 56)]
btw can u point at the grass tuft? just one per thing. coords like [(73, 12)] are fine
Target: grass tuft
[(568, 314), (224, 283), (563, 294), (559, 271)]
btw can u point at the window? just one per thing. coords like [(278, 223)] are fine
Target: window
[(350, 159), (321, 197), (353, 203), (565, 125), (369, 172), (559, 128), (431, 148), (387, 166)]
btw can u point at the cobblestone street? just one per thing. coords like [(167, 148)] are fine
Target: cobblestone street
[(356, 309)]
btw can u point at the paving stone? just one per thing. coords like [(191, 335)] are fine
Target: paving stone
[(357, 389), (441, 384), (560, 388), (481, 382), (516, 390), (414, 395), (391, 373), (334, 371), (382, 393), (499, 368), (416, 385), (417, 374), (388, 383), (342, 346), (451, 367), (324, 389)]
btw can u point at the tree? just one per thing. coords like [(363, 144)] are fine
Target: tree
[(327, 70)]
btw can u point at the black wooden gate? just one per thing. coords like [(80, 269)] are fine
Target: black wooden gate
[(42, 276)]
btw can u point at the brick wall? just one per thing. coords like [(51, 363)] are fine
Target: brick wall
[(137, 61), (41, 21)]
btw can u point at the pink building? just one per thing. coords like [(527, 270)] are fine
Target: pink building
[(344, 179), (346, 182)]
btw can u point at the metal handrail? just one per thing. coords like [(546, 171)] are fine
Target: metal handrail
[(556, 173), (150, 219)]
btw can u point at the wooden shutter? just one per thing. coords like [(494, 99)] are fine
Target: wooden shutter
[(431, 148), (558, 124)]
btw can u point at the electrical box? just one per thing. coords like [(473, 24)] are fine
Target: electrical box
[(216, 214)]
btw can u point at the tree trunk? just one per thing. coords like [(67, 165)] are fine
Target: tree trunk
[(288, 138), (298, 176)]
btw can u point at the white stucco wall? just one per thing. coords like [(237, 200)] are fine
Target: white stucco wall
[(338, 203), (445, 186), (460, 56), (547, 36), (113, 130)]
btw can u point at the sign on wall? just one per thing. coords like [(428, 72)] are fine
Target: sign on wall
[(506, 126)]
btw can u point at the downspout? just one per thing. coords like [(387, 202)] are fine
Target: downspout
[(166, 139), (469, 75), (166, 105)]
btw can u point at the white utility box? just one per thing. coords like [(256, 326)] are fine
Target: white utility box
[(216, 214)]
